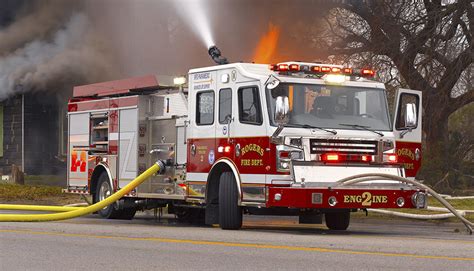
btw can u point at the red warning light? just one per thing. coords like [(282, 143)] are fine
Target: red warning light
[(294, 67), (283, 67), (368, 72), (325, 69), (330, 157), (347, 71), (316, 69)]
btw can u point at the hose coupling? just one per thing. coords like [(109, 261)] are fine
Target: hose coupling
[(162, 166)]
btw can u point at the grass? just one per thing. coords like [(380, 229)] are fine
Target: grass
[(461, 204), (35, 194), (45, 179), (28, 192)]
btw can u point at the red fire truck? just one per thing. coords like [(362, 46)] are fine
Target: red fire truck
[(246, 138)]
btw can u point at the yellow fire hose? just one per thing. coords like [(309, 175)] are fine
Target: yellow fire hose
[(77, 211), (38, 208)]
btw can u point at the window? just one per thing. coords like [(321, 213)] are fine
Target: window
[(225, 105), (99, 136), (205, 108), (405, 98), (330, 106), (249, 106)]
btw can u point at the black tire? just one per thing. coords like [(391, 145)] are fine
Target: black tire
[(338, 221), (104, 189), (230, 213)]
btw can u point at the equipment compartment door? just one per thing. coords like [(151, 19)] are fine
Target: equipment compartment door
[(408, 138), (78, 145)]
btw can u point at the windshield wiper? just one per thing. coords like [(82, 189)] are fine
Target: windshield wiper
[(361, 127), (311, 127)]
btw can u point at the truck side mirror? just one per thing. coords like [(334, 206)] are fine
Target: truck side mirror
[(410, 115), (282, 109)]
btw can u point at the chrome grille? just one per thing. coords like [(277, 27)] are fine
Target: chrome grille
[(320, 146)]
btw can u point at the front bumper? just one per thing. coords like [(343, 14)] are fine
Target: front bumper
[(344, 198)]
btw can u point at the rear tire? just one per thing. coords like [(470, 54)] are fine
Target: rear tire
[(230, 213), (104, 190), (338, 221)]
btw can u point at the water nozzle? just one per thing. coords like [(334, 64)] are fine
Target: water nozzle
[(215, 54)]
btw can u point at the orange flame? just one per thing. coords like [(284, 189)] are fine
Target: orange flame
[(266, 48)]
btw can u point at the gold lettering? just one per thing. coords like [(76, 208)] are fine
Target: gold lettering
[(367, 199), (245, 162), (406, 152), (252, 148)]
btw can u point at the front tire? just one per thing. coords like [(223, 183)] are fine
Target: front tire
[(230, 213), (338, 221)]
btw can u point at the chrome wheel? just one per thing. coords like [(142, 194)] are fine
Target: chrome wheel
[(104, 191)]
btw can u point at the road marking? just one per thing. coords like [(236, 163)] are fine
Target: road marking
[(255, 225), (244, 245)]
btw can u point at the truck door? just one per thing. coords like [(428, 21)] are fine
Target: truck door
[(250, 140), (225, 123), (202, 121), (408, 129)]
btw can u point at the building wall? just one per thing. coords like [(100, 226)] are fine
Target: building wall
[(42, 135), (12, 134)]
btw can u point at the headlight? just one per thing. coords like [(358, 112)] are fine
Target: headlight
[(297, 142), (388, 145), (419, 200), (284, 156)]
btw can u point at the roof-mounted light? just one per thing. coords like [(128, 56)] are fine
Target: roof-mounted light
[(335, 70), (283, 67), (321, 69), (368, 72), (326, 69), (316, 69), (334, 78), (294, 67), (347, 71), (179, 80)]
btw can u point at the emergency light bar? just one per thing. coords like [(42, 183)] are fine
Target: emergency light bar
[(320, 70), (364, 158)]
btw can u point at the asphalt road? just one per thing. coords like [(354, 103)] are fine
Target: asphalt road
[(271, 243)]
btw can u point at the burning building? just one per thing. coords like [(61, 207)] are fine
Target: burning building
[(46, 49), (33, 134)]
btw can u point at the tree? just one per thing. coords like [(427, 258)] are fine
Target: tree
[(429, 43)]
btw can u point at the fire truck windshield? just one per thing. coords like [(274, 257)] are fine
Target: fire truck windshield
[(333, 107)]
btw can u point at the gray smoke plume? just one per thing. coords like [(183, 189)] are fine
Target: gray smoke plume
[(51, 48), (52, 45), (34, 21)]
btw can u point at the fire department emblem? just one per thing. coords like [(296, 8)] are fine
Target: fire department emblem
[(211, 157)]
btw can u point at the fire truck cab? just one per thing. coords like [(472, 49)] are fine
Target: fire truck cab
[(247, 138)]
